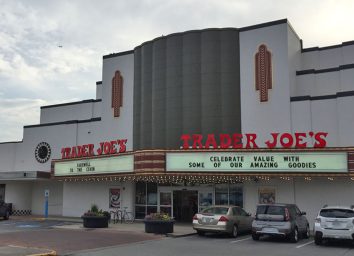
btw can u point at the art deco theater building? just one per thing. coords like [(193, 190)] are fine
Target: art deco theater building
[(215, 116)]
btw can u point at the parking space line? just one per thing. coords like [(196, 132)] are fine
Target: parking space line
[(299, 246), (241, 240)]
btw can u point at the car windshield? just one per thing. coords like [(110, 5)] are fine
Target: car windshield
[(216, 210), (270, 209), (337, 213)]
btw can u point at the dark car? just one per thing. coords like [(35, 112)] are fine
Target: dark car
[(4, 210), (284, 220)]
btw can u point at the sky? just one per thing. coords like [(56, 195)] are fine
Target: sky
[(51, 51)]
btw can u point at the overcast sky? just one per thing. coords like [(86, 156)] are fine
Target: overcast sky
[(51, 51)]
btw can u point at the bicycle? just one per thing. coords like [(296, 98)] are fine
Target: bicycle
[(122, 215)]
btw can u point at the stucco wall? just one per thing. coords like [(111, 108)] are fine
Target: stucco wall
[(117, 127), (19, 194), (258, 117), (79, 196), (55, 199), (7, 156), (81, 111)]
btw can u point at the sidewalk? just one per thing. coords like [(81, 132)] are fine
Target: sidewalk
[(180, 229)]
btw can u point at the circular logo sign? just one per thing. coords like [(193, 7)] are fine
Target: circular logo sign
[(42, 152)]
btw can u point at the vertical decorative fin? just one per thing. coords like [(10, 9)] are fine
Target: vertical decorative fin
[(263, 72), (117, 93)]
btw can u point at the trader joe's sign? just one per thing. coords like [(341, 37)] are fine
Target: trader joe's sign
[(114, 164), (89, 150), (257, 162), (251, 140)]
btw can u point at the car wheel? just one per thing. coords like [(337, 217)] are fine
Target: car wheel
[(318, 238), (294, 236), (201, 233), (7, 215), (307, 233), (234, 231), (255, 237)]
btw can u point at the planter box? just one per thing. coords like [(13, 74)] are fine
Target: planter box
[(95, 221), (158, 226)]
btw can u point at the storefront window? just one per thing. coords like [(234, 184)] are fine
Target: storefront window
[(205, 200), (140, 212), (151, 209), (222, 194), (152, 193), (165, 198), (140, 193), (165, 202), (166, 210), (236, 195), (145, 199)]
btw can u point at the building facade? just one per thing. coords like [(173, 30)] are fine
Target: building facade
[(215, 116)]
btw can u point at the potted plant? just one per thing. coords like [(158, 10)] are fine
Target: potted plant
[(95, 218), (158, 223)]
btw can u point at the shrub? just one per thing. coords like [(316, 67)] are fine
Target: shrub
[(158, 216)]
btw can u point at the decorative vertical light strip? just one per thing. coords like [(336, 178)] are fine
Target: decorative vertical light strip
[(117, 93), (263, 72)]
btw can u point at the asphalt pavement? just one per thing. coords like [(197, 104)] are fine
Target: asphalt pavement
[(34, 235)]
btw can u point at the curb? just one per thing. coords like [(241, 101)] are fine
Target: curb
[(51, 253), (180, 235)]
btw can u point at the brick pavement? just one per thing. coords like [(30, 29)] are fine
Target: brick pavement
[(64, 241), (70, 236)]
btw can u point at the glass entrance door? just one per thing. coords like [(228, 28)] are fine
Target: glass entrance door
[(2, 192), (185, 205)]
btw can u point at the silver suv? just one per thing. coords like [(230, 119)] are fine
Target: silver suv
[(334, 222), (284, 220)]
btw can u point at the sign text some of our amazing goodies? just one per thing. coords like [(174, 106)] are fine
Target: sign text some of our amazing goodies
[(88, 150), (249, 140), (114, 164), (334, 162)]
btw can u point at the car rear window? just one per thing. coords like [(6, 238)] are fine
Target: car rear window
[(337, 213), (270, 209), (216, 210)]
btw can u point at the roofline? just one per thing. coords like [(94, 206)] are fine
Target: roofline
[(257, 26), (316, 48), (322, 97), (71, 103), (325, 70), (243, 29), (11, 142), (266, 24), (97, 119), (113, 55)]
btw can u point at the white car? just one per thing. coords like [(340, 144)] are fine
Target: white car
[(334, 222)]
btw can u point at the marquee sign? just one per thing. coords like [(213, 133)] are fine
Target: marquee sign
[(104, 165), (333, 162)]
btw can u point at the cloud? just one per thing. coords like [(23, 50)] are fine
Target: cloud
[(15, 112)]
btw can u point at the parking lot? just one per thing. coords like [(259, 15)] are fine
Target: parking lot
[(119, 240), (26, 237), (222, 245)]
